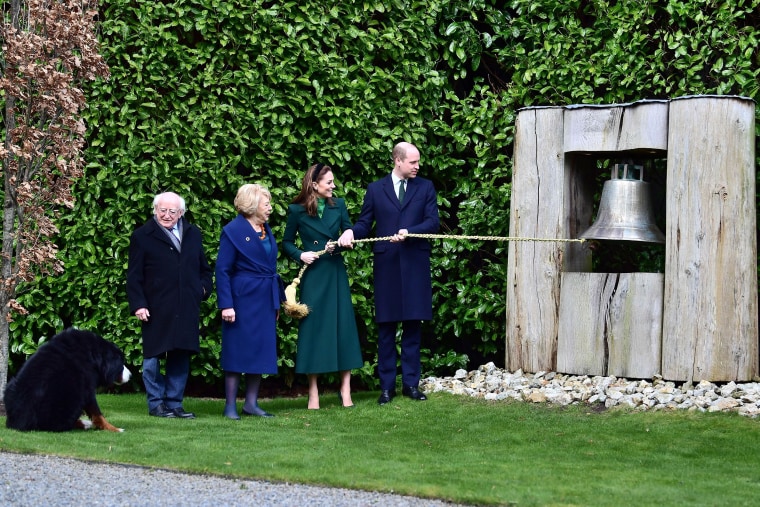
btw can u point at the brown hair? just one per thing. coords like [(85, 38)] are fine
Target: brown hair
[(308, 196)]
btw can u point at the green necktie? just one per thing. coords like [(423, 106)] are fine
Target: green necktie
[(401, 191)]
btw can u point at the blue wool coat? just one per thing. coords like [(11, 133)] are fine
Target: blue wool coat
[(247, 280), (403, 288)]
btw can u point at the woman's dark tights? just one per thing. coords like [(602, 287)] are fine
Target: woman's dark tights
[(231, 385)]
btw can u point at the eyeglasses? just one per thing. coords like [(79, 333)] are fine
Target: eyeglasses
[(171, 211)]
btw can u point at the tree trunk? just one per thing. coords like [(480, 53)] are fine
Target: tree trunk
[(7, 284), (7, 288)]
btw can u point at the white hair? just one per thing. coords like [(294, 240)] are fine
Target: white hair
[(158, 198)]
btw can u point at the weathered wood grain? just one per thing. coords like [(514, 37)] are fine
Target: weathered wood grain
[(533, 269), (610, 324), (710, 319), (642, 126)]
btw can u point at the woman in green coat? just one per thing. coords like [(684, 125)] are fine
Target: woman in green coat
[(328, 340)]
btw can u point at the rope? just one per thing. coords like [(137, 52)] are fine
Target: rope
[(475, 238), (299, 310)]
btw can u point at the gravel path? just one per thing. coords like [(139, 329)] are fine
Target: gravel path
[(34, 480)]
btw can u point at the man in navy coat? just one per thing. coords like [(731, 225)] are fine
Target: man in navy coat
[(167, 278), (399, 204)]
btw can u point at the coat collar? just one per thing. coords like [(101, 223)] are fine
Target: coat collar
[(157, 229), (246, 240), (390, 190), (321, 224)]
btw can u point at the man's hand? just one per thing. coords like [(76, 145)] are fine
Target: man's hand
[(346, 239), (399, 236)]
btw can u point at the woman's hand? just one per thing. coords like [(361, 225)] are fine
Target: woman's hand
[(228, 315), (309, 257)]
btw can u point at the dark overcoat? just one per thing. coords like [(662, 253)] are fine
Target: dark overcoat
[(247, 281), (171, 284), (328, 339), (403, 288)]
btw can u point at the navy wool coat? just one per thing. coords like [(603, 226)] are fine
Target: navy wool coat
[(403, 288), (170, 284), (247, 280)]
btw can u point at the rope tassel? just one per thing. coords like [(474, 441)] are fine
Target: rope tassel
[(291, 305)]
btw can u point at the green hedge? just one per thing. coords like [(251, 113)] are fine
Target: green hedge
[(206, 95)]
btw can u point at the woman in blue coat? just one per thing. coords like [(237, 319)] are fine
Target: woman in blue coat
[(249, 292), (328, 340)]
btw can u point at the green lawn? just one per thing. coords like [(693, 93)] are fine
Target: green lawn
[(449, 447)]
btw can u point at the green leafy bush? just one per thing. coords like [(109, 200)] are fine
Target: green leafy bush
[(207, 95)]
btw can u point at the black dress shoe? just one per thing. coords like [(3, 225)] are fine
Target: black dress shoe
[(413, 393), (180, 412), (162, 411), (386, 396)]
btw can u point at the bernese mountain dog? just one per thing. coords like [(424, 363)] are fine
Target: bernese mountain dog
[(59, 381)]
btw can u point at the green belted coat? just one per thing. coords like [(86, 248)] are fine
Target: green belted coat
[(328, 340)]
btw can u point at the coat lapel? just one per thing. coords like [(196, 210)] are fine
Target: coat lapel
[(157, 231), (327, 224), (323, 226), (411, 189), (246, 241), (390, 192)]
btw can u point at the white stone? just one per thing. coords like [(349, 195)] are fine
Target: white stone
[(722, 404), (494, 384), (536, 397), (614, 394)]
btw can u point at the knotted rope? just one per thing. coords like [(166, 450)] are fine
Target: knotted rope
[(299, 310), (291, 306)]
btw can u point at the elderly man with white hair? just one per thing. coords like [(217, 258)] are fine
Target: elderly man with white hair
[(167, 279)]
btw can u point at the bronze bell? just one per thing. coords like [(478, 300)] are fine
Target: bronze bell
[(625, 210)]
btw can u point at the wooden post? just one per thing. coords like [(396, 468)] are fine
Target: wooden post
[(710, 320), (533, 268)]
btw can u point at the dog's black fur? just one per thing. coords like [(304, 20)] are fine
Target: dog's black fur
[(59, 381)]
